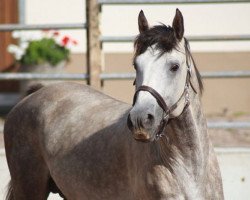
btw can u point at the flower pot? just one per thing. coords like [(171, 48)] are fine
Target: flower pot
[(42, 68)]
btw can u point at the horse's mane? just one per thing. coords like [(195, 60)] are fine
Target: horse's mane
[(165, 40), (189, 55)]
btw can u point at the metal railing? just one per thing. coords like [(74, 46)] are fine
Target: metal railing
[(42, 76), (15, 27), (207, 75), (112, 76), (205, 38), (228, 125), (122, 2)]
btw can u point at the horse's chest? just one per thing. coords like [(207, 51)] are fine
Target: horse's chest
[(161, 183)]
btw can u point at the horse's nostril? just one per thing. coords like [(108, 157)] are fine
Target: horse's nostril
[(150, 117), (140, 120)]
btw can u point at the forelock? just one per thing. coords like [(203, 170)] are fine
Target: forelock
[(161, 36)]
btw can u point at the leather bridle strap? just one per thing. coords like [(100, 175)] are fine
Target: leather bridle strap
[(154, 93), (160, 99), (167, 110)]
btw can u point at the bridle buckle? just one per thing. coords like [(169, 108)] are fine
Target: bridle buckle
[(166, 117)]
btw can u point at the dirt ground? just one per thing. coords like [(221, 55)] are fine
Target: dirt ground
[(219, 137)]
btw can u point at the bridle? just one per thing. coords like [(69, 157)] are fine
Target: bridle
[(161, 102)]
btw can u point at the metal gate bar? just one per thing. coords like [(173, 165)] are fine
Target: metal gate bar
[(219, 74), (14, 27), (110, 76), (42, 76), (205, 38), (122, 2), (228, 125)]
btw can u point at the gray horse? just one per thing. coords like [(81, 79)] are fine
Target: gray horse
[(69, 139)]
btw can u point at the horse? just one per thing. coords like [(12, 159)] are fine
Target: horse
[(70, 139)]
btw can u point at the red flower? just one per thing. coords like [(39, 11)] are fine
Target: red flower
[(65, 40)]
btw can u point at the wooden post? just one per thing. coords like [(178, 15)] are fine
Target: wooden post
[(93, 44), (8, 15)]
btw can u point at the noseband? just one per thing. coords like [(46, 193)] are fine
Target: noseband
[(161, 102)]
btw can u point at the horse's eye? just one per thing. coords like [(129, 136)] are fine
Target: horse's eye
[(174, 67)]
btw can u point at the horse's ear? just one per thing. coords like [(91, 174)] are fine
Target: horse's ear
[(142, 22), (178, 24)]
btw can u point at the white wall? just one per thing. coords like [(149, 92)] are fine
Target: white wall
[(58, 11), (200, 19)]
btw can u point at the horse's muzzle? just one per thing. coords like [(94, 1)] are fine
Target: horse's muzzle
[(142, 136), (139, 130)]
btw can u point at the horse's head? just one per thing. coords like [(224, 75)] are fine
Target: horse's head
[(163, 69)]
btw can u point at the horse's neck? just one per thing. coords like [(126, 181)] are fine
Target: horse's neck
[(181, 156), (186, 144), (183, 151)]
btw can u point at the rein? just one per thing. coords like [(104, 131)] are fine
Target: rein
[(161, 102)]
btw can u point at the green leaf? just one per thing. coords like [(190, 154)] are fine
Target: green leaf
[(44, 51)]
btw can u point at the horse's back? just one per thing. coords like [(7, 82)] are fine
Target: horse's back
[(65, 109)]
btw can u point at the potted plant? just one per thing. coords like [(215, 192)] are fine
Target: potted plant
[(43, 52)]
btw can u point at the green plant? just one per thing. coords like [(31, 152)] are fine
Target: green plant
[(46, 48)]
